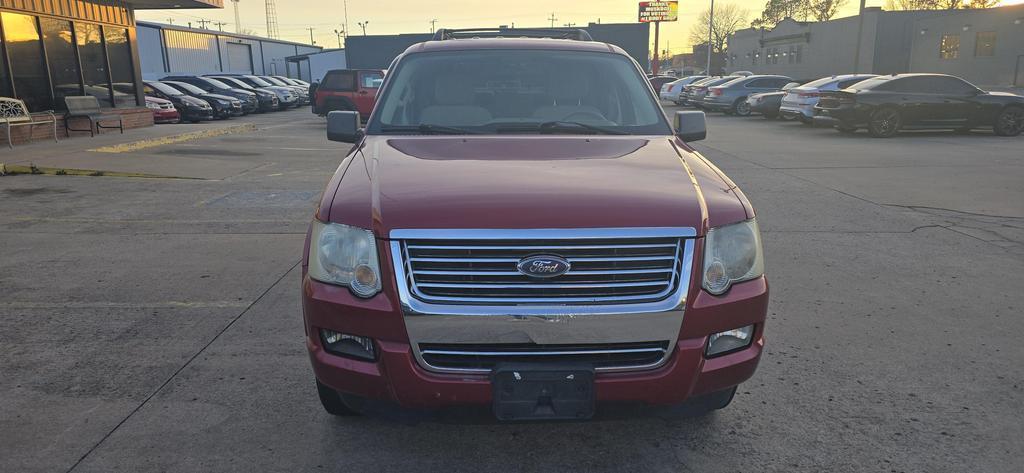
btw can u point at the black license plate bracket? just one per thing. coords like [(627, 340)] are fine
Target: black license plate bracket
[(543, 391)]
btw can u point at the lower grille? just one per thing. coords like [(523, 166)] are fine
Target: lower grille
[(484, 357)]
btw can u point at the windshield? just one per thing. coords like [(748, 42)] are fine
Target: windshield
[(257, 81), (165, 88), (518, 91), (273, 81), (871, 83), (235, 82), (187, 87), (216, 83)]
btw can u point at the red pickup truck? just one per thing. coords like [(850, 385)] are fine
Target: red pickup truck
[(519, 226), (347, 89)]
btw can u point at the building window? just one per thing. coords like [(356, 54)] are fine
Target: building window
[(121, 67), (985, 44), (94, 62), (60, 54), (5, 75), (753, 57), (799, 53), (949, 48), (21, 37)]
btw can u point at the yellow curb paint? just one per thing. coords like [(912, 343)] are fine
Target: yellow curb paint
[(12, 170), (166, 140)]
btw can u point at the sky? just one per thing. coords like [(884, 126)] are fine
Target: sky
[(294, 17)]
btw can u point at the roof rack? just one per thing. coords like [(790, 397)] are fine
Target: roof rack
[(577, 34)]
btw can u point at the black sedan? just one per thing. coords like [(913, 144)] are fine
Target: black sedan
[(213, 86), (223, 105), (191, 109), (887, 104)]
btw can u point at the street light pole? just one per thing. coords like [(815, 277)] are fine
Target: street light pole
[(860, 32), (711, 33)]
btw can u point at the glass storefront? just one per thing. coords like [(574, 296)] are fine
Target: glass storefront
[(50, 58)]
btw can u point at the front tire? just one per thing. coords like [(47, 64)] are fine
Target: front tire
[(1010, 122), (332, 401), (741, 108), (884, 123)]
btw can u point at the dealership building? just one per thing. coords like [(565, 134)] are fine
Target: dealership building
[(57, 48), (984, 46)]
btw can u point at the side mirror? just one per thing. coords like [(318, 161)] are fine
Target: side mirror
[(691, 126), (343, 127)]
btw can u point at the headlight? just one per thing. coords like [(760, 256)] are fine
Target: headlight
[(153, 105), (732, 254), (346, 256)]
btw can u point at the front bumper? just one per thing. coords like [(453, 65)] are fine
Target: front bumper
[(397, 377)]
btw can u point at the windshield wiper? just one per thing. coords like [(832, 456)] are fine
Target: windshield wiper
[(428, 129), (560, 126)]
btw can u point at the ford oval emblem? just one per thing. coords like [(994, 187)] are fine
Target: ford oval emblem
[(543, 266)]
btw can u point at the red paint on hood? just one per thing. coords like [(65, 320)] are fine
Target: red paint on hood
[(395, 182)]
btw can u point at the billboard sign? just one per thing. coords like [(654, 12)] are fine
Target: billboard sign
[(658, 11)]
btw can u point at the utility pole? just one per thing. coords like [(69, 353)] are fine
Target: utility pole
[(657, 61), (711, 33), (432, 23), (170, 21), (238, 20), (570, 25), (220, 25), (202, 23), (362, 24), (271, 10), (553, 19), (339, 34), (345, 30), (860, 33), (311, 35)]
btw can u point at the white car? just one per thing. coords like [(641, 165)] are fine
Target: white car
[(800, 101), (670, 91)]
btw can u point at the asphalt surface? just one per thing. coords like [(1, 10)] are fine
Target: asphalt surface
[(154, 324)]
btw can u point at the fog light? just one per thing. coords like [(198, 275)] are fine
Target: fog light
[(352, 346), (730, 340)]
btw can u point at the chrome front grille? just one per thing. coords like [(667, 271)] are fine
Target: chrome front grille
[(480, 267), (484, 357)]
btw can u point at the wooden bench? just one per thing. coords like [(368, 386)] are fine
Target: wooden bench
[(87, 107), (13, 112)]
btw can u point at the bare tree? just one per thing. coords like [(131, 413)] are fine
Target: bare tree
[(728, 19), (777, 10), (982, 3), (930, 4), (824, 10)]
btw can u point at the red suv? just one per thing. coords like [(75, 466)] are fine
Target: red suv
[(520, 226), (347, 90)]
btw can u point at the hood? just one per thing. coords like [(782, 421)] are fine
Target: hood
[(241, 92), (407, 182), (192, 100), (157, 100), (220, 97), (1005, 94)]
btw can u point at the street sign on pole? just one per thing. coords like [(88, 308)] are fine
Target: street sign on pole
[(657, 12)]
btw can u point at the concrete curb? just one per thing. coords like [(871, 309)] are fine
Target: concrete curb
[(166, 140), (16, 169)]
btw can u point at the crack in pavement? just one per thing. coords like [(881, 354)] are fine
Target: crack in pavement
[(185, 365)]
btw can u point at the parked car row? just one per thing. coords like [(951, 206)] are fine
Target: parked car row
[(882, 105), (196, 98)]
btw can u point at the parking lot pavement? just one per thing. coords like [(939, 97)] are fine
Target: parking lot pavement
[(154, 324)]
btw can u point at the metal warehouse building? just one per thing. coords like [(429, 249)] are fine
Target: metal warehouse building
[(377, 52), (171, 49), (984, 46)]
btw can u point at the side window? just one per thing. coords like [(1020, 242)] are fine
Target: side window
[(898, 85), (847, 83), (202, 84), (148, 90), (952, 86), (756, 83), (344, 80), (371, 80), (780, 83)]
